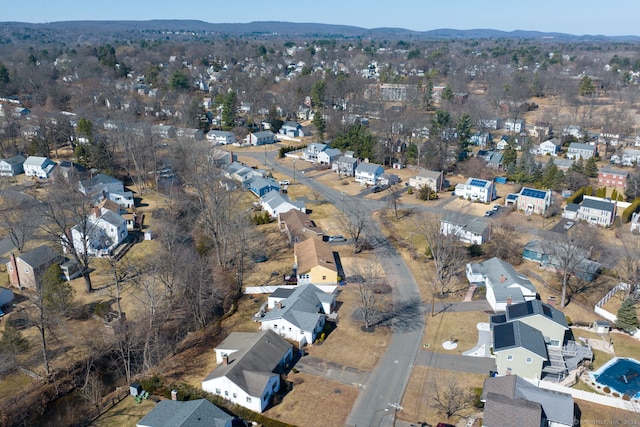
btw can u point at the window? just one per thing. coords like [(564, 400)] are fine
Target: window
[(26, 269), (10, 268), (509, 356), (217, 391), (226, 393), (248, 399), (275, 326), (265, 397), (324, 277), (528, 360), (235, 395)]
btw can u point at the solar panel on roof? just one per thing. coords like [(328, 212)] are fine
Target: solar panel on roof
[(519, 310), (503, 335), (530, 192), (546, 310), (478, 182)]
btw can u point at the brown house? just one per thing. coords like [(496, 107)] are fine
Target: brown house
[(26, 270), (613, 178), (298, 226), (315, 262)]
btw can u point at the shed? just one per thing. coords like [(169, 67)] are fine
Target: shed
[(601, 327), (135, 389)]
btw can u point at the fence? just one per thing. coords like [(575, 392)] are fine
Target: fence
[(271, 289)]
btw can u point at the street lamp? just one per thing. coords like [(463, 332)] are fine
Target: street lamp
[(294, 170)]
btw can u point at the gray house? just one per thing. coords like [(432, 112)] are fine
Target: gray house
[(12, 166), (578, 150), (191, 413)]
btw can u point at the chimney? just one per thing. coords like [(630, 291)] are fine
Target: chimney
[(503, 278), (225, 359), (509, 300), (14, 278), (96, 212), (279, 305), (174, 395)]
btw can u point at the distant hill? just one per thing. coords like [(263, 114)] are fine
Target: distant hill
[(115, 29)]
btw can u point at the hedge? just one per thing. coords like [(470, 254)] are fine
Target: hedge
[(629, 211)]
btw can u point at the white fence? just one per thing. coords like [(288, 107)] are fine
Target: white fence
[(271, 289), (612, 402), (605, 314)]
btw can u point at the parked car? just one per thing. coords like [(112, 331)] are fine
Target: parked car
[(285, 182), (488, 213), (569, 224), (496, 207), (337, 239)]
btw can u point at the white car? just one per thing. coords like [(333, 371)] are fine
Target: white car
[(337, 239), (568, 225), (285, 182)]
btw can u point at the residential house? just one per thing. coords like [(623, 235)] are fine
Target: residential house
[(519, 349), (504, 285), (298, 314), (477, 189), (516, 126), (596, 210), (551, 147), (630, 157), (570, 211), (99, 234), (190, 413), (635, 222), (220, 158), (39, 167), (345, 165), (292, 129), (432, 179), (190, 134), (310, 153), (545, 254), (163, 131), (328, 156), (615, 178), (249, 368), (493, 124), (242, 173), (221, 137), (261, 186), (467, 228), (368, 173), (492, 157), (261, 138), (26, 270), (540, 129), (106, 187), (314, 262), (481, 139), (574, 131), (298, 226), (578, 150), (68, 169), (276, 203), (12, 166), (544, 317), (532, 201), (512, 401)]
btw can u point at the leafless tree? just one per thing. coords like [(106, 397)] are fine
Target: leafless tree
[(393, 199), (628, 267), (355, 218), (446, 251), (370, 287), (450, 399), (16, 217), (567, 251), (504, 243)]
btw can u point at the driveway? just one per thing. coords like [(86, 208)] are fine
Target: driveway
[(456, 362), (332, 370)]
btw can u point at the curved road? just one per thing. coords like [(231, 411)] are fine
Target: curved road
[(388, 380)]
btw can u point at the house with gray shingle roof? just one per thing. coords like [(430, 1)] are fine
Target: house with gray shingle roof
[(579, 150), (467, 228), (26, 270), (299, 316), (596, 210), (519, 349), (276, 203), (12, 166), (249, 368), (503, 283), (368, 173), (504, 397), (191, 413)]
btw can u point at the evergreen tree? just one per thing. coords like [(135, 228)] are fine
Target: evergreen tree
[(591, 167), (627, 316), (586, 86), (614, 194)]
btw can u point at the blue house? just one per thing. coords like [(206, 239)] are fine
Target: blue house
[(261, 186), (293, 129), (541, 251)]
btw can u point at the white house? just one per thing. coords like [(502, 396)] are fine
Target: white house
[(276, 203), (596, 210), (467, 228), (328, 156), (100, 234), (503, 283), (551, 147), (40, 167), (298, 314), (292, 129), (368, 173), (107, 187), (312, 151), (578, 150), (345, 165), (432, 179), (477, 189), (221, 137), (249, 368), (261, 138), (516, 126)]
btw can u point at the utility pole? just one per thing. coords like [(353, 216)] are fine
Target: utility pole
[(396, 407)]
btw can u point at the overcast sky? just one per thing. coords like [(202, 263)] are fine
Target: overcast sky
[(611, 17)]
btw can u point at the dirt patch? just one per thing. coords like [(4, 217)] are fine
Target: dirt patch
[(310, 392)]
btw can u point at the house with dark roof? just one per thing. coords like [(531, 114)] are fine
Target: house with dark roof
[(191, 413), (314, 262), (99, 234), (474, 189), (345, 165), (299, 315), (467, 228), (298, 226), (26, 270), (542, 252), (598, 211), (533, 201), (519, 349), (512, 401), (12, 166), (503, 283), (249, 368)]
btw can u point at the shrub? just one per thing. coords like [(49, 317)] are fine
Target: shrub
[(477, 394), (102, 309), (410, 190), (475, 250), (630, 210), (152, 385), (568, 320)]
